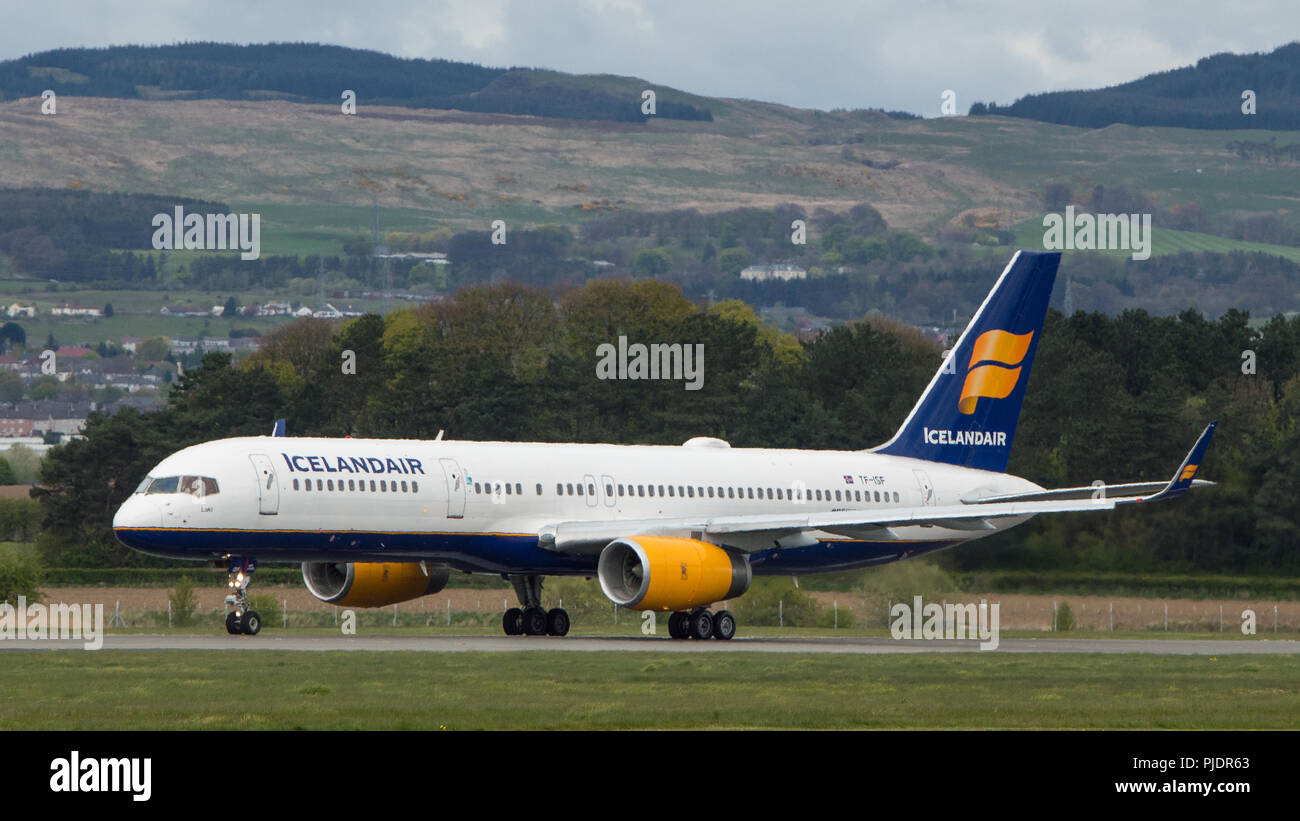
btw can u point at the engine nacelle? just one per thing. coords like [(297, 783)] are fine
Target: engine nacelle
[(666, 573), (372, 584)]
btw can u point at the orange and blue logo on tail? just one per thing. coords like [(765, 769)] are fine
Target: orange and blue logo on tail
[(994, 368), (968, 414)]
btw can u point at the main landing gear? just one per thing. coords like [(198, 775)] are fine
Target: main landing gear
[(701, 624), (531, 619), (241, 620)]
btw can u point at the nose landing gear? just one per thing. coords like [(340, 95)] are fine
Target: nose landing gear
[(240, 619)]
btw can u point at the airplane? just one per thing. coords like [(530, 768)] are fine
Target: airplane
[(673, 529)]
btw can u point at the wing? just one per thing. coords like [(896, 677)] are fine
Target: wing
[(760, 530)]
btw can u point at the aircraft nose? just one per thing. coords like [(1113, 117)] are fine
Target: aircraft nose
[(137, 511)]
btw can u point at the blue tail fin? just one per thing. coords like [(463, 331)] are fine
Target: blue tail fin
[(968, 413)]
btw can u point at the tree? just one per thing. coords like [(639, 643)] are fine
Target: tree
[(651, 262), (108, 309), (11, 333), (7, 473), (731, 261), (154, 349), (231, 308)]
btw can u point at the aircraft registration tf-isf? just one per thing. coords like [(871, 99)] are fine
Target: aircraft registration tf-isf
[(669, 528)]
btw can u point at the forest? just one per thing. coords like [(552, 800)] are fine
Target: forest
[(1115, 398), (1206, 95), (315, 73)]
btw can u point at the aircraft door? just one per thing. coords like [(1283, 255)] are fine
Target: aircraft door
[(927, 489), (607, 485), (268, 486), (455, 488), (590, 482)]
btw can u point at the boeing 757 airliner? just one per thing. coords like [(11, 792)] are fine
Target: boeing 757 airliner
[(668, 528)]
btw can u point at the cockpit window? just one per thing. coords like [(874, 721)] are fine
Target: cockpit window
[(144, 484), (193, 485)]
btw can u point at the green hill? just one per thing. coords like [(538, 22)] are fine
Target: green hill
[(314, 73), (1205, 95)]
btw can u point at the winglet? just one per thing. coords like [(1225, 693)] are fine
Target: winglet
[(1187, 470), (279, 428)]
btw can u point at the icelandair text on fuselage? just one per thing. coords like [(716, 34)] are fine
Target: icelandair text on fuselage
[(964, 437), (351, 464)]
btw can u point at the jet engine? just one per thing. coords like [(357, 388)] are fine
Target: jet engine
[(666, 573), (372, 584)]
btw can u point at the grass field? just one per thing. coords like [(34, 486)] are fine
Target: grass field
[(463, 691), (1029, 234)]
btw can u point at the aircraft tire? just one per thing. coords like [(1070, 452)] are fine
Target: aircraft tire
[(534, 621), (701, 624), (557, 622), (724, 625), (513, 622)]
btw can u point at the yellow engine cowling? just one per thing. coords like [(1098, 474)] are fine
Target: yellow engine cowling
[(666, 573), (371, 584)]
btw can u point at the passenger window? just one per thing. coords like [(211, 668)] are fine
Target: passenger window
[(579, 488), (895, 496), (640, 490), (710, 491), (329, 483), (690, 491), (569, 487), (352, 484), (670, 491), (478, 488), (403, 487), (681, 491), (539, 488), (509, 490), (620, 489), (609, 490), (819, 495), (591, 490), (383, 486), (837, 496), (769, 493), (661, 490), (751, 493), (372, 485), (415, 487), (778, 494), (519, 488), (295, 484), (651, 489), (857, 496)]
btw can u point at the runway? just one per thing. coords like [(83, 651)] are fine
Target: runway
[(650, 644)]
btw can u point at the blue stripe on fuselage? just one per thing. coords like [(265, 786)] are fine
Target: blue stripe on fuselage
[(476, 552)]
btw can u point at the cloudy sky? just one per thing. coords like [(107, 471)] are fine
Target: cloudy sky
[(806, 53)]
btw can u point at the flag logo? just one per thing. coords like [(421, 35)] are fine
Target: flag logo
[(994, 367)]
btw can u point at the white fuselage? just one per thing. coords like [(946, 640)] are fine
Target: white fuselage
[(480, 506)]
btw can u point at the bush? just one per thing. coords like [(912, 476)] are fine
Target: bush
[(1065, 617), (583, 599), (21, 573), (266, 606), (20, 520), (184, 601), (904, 579), (775, 601)]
